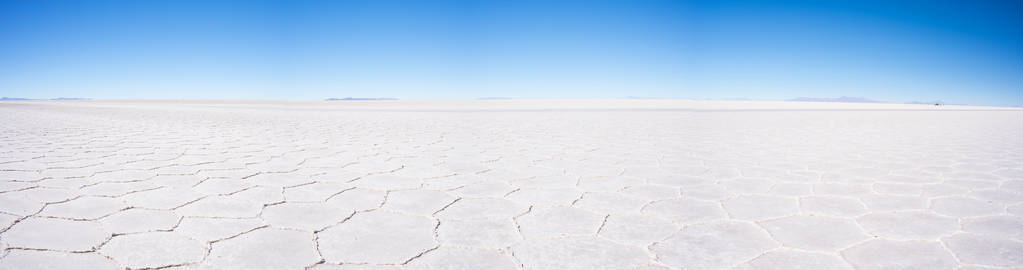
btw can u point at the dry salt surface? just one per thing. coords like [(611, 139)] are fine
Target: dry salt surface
[(516, 184)]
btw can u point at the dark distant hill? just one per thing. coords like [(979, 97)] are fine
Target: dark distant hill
[(838, 99), (352, 98)]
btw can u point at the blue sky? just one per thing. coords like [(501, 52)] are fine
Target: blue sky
[(959, 52)]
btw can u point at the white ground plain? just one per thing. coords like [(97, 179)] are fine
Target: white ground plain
[(531, 184)]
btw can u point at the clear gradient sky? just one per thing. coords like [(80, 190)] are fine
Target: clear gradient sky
[(959, 52)]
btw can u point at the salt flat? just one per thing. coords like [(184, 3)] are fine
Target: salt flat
[(531, 184)]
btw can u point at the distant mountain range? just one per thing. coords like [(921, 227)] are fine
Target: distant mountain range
[(866, 100), (352, 98), (929, 103), (838, 99), (60, 98)]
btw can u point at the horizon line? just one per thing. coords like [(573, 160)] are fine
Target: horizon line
[(497, 99)]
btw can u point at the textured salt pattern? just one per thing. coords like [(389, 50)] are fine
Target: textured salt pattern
[(114, 185)]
